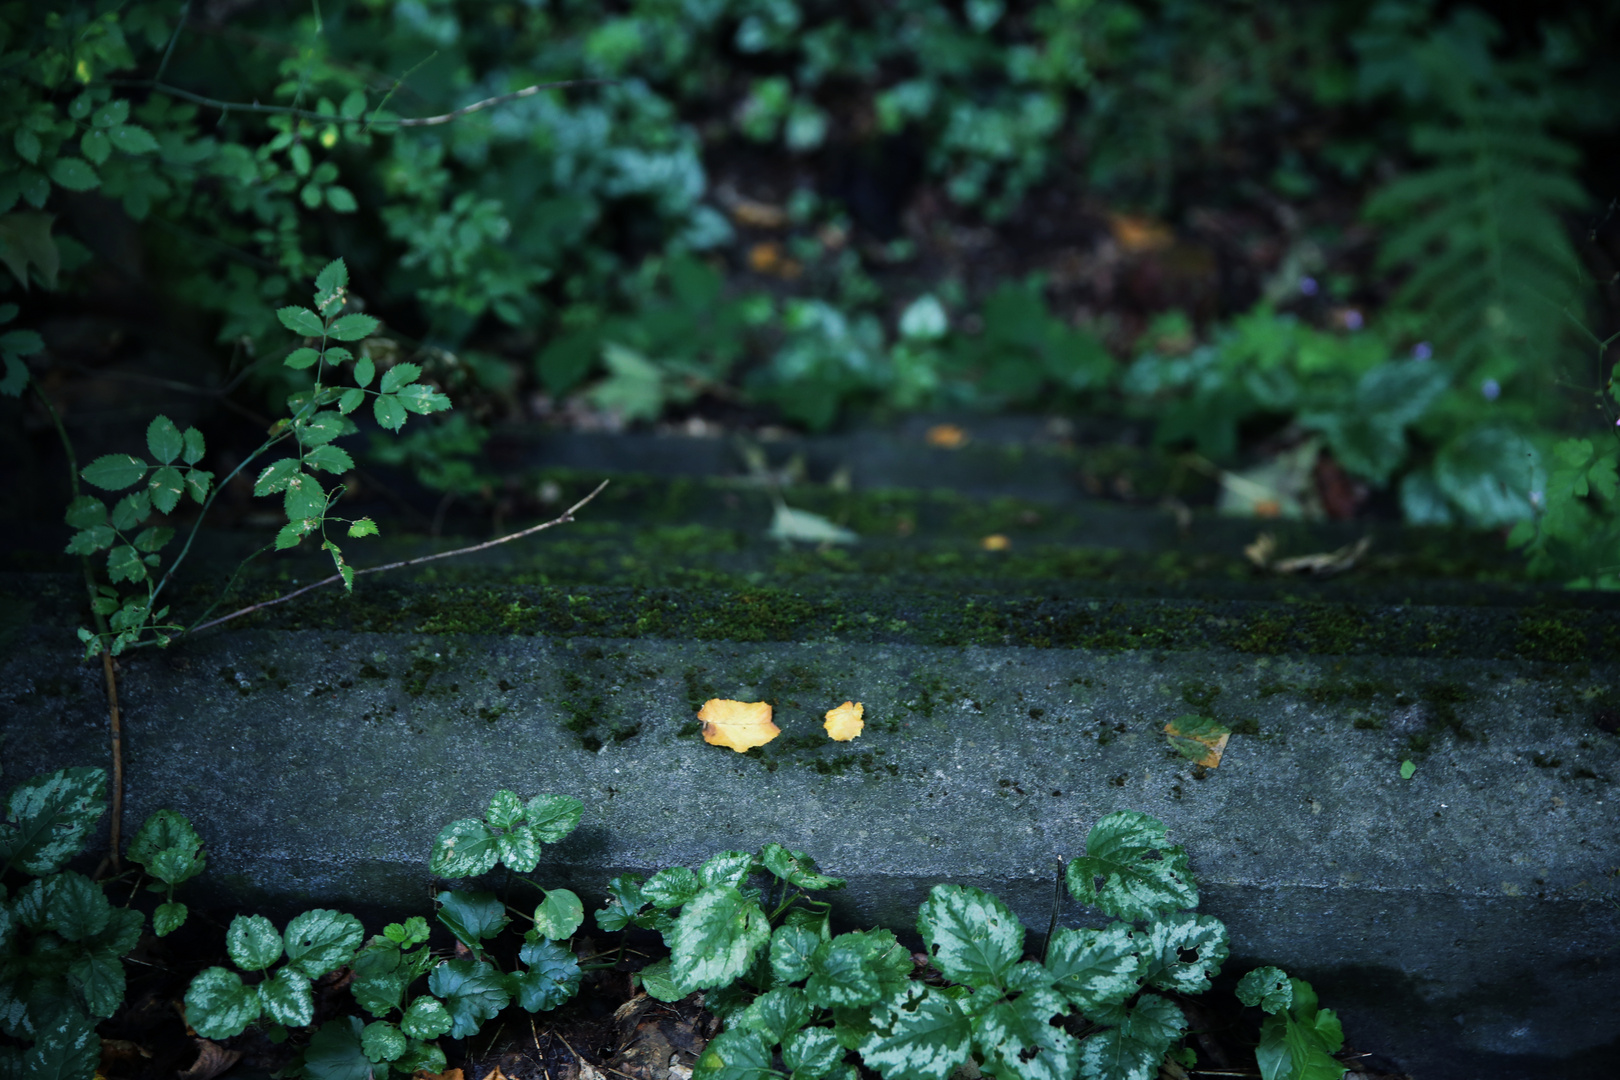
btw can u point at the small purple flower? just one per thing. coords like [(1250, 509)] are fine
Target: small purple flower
[(1422, 351), (1491, 389), (1352, 319), (1307, 285)]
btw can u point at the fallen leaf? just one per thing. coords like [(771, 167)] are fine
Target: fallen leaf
[(946, 436), (448, 1074), (1261, 551), (1198, 739), (790, 524), (212, 1059), (995, 542), (741, 725), (1324, 563), (845, 722), (758, 215), (767, 258), (495, 1074), (1138, 234)]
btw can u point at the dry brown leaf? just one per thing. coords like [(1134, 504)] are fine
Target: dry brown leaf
[(1216, 744), (845, 722), (946, 436), (1139, 234), (741, 725), (1262, 553), (212, 1059), (758, 215), (495, 1074), (995, 542), (448, 1074)]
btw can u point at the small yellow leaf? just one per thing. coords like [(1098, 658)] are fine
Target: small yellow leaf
[(1188, 733), (995, 542), (741, 725), (946, 436), (845, 722)]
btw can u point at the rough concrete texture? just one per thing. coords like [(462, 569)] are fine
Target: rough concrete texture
[(1463, 921)]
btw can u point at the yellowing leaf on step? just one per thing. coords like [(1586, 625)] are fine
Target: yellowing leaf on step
[(845, 722), (741, 725), (1198, 739)]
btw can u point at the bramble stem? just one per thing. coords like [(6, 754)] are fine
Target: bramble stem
[(564, 518)]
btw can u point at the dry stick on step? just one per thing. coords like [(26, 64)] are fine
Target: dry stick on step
[(564, 518)]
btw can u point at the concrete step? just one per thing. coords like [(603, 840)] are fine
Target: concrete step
[(1464, 921)]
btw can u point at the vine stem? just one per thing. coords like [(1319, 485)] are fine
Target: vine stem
[(562, 519), (108, 671)]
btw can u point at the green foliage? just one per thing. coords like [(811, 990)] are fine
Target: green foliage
[(1297, 1039), (461, 992), (62, 941), (169, 849), (797, 1006)]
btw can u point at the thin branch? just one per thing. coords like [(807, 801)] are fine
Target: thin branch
[(563, 519), (329, 118), (174, 38)]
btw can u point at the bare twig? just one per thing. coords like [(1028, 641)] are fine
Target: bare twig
[(329, 118), (565, 517)]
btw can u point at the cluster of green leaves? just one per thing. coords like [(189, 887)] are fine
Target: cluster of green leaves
[(798, 999), (1344, 386), (1297, 1039), (319, 415), (62, 942), (461, 992)]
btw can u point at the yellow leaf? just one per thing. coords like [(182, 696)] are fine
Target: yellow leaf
[(1188, 733), (946, 436), (741, 725), (844, 723), (995, 542)]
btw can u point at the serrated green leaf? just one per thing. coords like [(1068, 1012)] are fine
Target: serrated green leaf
[(776, 1014), (49, 818), (919, 1033), (300, 321), (472, 916), (1094, 968), (333, 276), (1131, 870), (1267, 987), (717, 937), (90, 541), (253, 942), (114, 472), (364, 371), (399, 375), (218, 1006), (553, 817), (332, 459), (464, 848), (276, 476), (362, 528), (658, 979), (505, 809), (131, 510), (671, 887), (1184, 951), (728, 868), (292, 534), (857, 969), (302, 357), (1134, 1047), (422, 400), (625, 899), (791, 950), (287, 998), (321, 940), (381, 1041), (472, 990), (518, 849), (168, 918), (166, 487), (796, 868), (153, 539), (197, 484), (352, 327), (73, 173), (304, 500), (351, 400), (97, 979), (734, 1054), (971, 936), (336, 1053), (322, 428), (86, 512), (427, 1018), (65, 1048), (388, 412), (552, 977), (813, 1053), (78, 908), (1019, 1042), (163, 440), (124, 564), (560, 914)]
